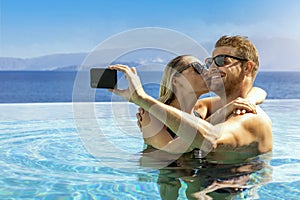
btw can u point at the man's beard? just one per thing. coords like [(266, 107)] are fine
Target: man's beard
[(224, 88), (217, 86)]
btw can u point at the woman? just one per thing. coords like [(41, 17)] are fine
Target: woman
[(181, 86)]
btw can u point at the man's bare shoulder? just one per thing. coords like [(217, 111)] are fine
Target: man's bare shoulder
[(243, 130), (257, 124), (260, 126), (251, 121)]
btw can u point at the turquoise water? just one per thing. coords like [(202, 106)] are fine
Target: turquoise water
[(93, 151)]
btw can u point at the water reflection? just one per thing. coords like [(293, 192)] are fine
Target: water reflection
[(201, 179)]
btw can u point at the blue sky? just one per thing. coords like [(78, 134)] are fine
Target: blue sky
[(30, 28)]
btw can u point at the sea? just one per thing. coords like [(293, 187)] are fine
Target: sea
[(59, 86), (53, 150)]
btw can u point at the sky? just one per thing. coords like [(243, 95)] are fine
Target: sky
[(32, 28)]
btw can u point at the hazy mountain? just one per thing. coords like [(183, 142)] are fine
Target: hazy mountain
[(48, 62), (146, 60)]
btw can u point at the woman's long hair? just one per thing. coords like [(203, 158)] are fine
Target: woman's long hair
[(173, 68)]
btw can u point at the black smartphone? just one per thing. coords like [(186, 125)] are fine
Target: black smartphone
[(103, 78)]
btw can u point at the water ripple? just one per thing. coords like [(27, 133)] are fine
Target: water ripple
[(41, 160), (43, 157)]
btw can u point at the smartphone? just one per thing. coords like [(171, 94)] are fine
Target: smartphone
[(103, 78)]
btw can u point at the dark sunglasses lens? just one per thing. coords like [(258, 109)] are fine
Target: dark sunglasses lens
[(197, 67), (219, 60), (208, 62)]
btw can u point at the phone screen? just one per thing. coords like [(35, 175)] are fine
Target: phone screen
[(103, 78)]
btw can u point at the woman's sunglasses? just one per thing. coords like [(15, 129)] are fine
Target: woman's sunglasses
[(220, 60), (198, 67)]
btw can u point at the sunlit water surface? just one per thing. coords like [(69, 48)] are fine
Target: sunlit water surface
[(67, 151)]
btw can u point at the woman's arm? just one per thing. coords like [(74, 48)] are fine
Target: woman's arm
[(156, 134), (257, 95), (239, 106)]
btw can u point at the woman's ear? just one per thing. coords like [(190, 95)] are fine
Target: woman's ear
[(174, 83), (248, 68)]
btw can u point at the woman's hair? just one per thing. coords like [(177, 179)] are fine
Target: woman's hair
[(173, 68)]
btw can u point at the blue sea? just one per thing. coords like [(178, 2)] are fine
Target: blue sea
[(55, 148), (58, 86)]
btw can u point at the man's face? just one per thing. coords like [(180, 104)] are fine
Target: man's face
[(227, 77)]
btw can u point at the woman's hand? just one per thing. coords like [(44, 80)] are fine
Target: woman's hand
[(238, 106), (135, 89), (241, 106)]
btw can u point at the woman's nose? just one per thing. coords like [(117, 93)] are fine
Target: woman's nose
[(213, 68)]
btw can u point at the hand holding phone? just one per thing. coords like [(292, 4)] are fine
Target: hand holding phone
[(103, 78)]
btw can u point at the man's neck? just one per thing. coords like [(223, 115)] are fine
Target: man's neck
[(241, 90), (238, 92)]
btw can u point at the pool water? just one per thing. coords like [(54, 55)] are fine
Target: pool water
[(94, 151)]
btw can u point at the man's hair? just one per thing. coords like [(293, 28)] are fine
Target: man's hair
[(245, 49)]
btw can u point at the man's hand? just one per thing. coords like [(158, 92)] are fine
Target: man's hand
[(139, 117)]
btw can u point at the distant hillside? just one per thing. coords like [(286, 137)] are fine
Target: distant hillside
[(49, 62), (147, 61)]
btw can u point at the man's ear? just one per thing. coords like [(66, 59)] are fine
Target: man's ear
[(249, 67)]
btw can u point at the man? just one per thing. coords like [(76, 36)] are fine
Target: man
[(232, 71)]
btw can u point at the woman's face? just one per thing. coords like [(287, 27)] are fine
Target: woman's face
[(191, 80)]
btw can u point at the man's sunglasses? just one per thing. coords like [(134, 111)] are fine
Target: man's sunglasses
[(220, 60), (198, 67)]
